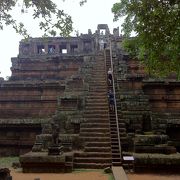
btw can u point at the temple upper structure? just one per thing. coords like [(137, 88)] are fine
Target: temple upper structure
[(82, 44)]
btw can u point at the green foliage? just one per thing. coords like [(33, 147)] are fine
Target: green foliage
[(111, 177), (157, 27), (52, 20), (131, 46)]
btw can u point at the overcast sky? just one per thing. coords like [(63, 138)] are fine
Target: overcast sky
[(87, 17)]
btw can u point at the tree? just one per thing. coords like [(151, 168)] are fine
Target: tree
[(157, 27), (52, 20)]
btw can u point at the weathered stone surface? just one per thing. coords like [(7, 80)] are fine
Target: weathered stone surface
[(42, 162), (150, 139), (157, 162), (72, 86)]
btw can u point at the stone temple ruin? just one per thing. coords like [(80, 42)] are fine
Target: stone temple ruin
[(64, 81)]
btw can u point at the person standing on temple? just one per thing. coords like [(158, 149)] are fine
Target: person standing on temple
[(110, 76), (111, 100)]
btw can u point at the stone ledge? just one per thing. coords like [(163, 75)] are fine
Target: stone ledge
[(23, 121), (156, 162), (43, 163)]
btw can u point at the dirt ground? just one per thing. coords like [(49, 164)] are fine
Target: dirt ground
[(91, 175), (153, 177), (88, 175)]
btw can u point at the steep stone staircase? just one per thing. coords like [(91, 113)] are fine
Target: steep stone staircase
[(117, 128), (95, 131)]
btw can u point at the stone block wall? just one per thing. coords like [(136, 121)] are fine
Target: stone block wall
[(164, 96), (58, 68), (133, 104), (146, 105), (40, 86), (55, 46), (24, 100), (17, 135)]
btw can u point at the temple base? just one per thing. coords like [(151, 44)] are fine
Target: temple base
[(41, 162)]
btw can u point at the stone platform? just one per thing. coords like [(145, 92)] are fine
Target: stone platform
[(41, 162)]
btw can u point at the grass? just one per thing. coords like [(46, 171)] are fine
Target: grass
[(110, 176), (6, 162)]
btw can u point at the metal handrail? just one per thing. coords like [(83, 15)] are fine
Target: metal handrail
[(115, 105)]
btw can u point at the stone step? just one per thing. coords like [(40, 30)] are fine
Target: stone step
[(99, 66), (95, 139), (100, 62), (97, 82), (98, 71), (96, 75), (92, 108), (93, 115), (114, 134), (94, 125), (115, 146), (118, 159), (102, 83), (96, 97), (116, 155), (114, 125), (112, 115), (96, 120), (98, 144), (117, 163), (98, 103), (93, 154), (95, 134), (92, 165), (116, 151), (113, 121), (92, 160), (96, 111), (97, 149), (114, 142), (98, 78), (114, 130), (97, 93), (97, 89), (95, 130)]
